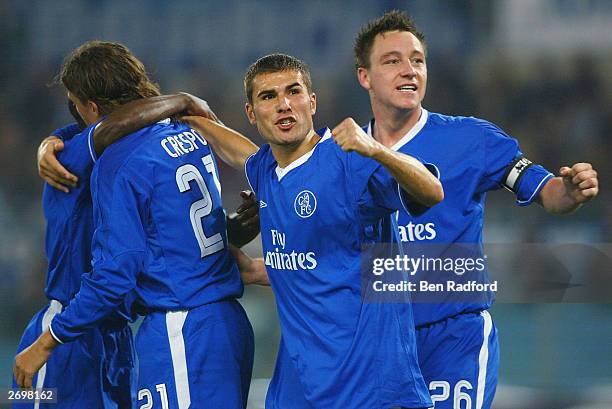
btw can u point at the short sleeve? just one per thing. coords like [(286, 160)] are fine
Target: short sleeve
[(498, 151), (77, 153), (525, 179), (252, 167), (505, 166), (377, 194), (67, 132)]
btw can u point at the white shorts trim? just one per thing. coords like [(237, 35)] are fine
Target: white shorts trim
[(483, 358), (55, 307), (174, 325)]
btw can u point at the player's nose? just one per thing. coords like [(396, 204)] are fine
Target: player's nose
[(407, 70), (283, 104)]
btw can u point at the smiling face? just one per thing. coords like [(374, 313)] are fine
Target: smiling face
[(397, 76), (282, 108)]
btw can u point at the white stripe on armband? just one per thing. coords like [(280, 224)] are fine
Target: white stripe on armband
[(516, 169)]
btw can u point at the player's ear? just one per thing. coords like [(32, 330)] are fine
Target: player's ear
[(250, 113), (313, 103), (363, 77), (93, 107)]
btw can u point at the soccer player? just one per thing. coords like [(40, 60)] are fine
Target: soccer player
[(457, 340), (96, 370), (322, 195), (160, 235)]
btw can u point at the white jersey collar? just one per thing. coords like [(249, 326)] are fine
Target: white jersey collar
[(410, 134), (281, 172)]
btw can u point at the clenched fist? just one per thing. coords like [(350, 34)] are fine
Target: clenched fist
[(350, 137), (580, 182)]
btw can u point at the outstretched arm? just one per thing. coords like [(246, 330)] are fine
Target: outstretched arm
[(124, 120), (231, 146), (568, 192), (413, 177), (137, 114)]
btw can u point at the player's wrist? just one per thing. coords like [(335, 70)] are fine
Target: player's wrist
[(377, 151), (47, 343)]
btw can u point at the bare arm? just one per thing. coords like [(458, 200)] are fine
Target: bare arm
[(252, 270), (411, 174), (231, 146), (137, 114), (123, 121), (567, 193)]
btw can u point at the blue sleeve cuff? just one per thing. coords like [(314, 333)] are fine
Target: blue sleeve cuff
[(531, 183), (55, 337)]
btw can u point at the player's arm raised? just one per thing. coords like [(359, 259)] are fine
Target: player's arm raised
[(567, 192), (231, 146), (410, 173), (142, 112)]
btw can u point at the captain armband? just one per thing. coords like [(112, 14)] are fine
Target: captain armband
[(514, 172)]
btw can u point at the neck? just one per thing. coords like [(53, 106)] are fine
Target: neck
[(285, 154), (390, 125)]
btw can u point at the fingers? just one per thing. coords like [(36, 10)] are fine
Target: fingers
[(588, 183), (584, 175), (50, 169), (249, 218), (590, 193), (23, 379), (248, 200), (584, 179), (350, 137), (248, 211)]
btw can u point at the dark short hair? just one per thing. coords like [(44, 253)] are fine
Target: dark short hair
[(390, 21), (275, 63), (106, 73)]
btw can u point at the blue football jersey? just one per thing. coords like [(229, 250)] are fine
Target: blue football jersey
[(159, 229), (69, 218), (473, 157), (337, 351)]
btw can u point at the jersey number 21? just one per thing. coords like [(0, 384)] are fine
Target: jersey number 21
[(200, 208)]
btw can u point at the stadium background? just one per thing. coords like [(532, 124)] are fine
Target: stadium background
[(539, 69)]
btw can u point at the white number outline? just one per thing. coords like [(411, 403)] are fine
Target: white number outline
[(200, 208)]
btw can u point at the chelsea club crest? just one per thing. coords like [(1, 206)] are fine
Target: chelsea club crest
[(305, 204)]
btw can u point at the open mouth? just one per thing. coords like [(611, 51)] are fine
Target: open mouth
[(407, 88), (286, 123)]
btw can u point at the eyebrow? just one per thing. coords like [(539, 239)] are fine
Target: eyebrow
[(295, 84), (271, 91), (398, 54)]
